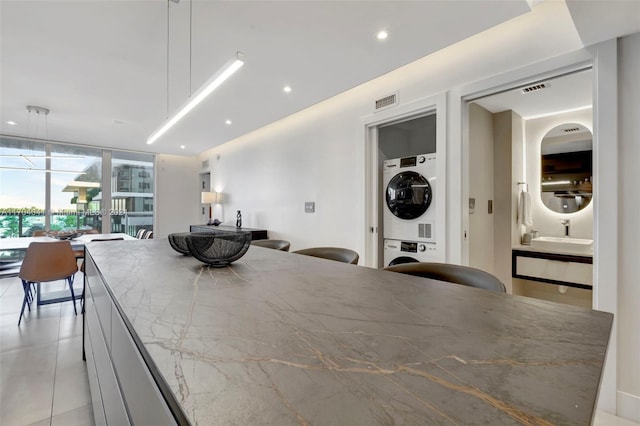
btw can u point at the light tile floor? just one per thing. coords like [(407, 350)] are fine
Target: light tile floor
[(43, 379)]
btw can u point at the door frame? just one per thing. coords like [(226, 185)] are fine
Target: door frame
[(372, 181), (602, 59)]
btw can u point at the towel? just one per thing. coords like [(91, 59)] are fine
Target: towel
[(524, 209)]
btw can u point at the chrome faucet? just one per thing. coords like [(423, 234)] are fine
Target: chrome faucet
[(566, 223)]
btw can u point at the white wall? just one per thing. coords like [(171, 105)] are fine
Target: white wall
[(177, 195), (629, 228), (547, 222)]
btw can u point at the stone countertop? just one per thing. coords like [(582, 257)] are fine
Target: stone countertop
[(523, 247), (278, 338)]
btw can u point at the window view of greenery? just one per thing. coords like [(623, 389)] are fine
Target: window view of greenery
[(75, 188), (22, 195)]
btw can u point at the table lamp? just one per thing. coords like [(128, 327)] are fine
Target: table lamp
[(210, 198)]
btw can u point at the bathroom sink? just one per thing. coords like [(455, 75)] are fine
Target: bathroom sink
[(563, 244)]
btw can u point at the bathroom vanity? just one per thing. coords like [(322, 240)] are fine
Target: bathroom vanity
[(560, 266)]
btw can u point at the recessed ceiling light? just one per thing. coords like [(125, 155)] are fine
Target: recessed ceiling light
[(182, 147), (13, 123), (287, 89), (382, 35), (228, 122)]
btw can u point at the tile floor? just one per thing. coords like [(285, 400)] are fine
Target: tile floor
[(43, 379), (41, 364)]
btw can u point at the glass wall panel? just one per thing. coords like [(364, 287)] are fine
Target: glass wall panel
[(22, 187), (74, 188), (131, 192), (76, 176)]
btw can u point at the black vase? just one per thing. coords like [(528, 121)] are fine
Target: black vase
[(239, 220)]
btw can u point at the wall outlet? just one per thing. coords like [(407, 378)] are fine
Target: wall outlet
[(309, 207)]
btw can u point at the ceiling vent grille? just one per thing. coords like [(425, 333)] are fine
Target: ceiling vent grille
[(571, 129), (535, 88), (386, 101)]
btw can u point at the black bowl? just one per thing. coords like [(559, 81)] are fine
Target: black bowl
[(218, 248), (178, 242)]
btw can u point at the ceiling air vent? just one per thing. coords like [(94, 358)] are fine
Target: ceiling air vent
[(387, 101), (571, 129), (535, 88)]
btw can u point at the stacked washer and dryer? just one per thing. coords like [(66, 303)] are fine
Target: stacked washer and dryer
[(409, 214)]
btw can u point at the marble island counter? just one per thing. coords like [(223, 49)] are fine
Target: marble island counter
[(278, 338)]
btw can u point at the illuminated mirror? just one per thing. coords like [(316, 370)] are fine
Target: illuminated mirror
[(567, 168)]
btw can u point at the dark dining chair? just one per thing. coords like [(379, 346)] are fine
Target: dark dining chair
[(457, 274), (332, 253), (46, 262), (272, 244)]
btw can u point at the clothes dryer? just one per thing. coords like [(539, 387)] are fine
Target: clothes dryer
[(397, 252), (409, 195)]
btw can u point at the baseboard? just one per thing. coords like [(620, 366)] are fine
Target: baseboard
[(628, 406)]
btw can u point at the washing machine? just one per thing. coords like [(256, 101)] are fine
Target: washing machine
[(409, 211), (398, 251)]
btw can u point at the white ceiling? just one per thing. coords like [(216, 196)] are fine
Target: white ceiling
[(101, 67), (560, 94)]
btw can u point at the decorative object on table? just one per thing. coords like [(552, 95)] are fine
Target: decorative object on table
[(218, 248), (178, 242), (67, 235), (239, 219)]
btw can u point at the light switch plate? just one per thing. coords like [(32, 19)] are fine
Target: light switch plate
[(472, 205), (309, 207)]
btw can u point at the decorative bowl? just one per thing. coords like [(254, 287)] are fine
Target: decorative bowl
[(218, 248), (178, 242), (67, 235)]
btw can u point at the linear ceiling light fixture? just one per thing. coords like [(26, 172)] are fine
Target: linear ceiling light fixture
[(205, 90)]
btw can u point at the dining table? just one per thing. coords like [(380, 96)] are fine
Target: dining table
[(278, 338), (10, 266)]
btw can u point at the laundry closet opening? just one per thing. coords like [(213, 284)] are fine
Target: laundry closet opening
[(408, 187)]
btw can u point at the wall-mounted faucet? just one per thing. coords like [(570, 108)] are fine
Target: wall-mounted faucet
[(566, 223)]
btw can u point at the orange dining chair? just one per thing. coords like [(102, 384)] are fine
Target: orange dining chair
[(45, 262)]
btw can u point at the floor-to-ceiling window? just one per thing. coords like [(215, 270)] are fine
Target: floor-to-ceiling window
[(131, 192), (46, 186), (75, 196), (22, 183)]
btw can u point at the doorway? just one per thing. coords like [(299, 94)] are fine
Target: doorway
[(505, 134), (400, 127)]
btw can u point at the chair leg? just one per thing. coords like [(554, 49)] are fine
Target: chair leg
[(26, 287), (73, 296)]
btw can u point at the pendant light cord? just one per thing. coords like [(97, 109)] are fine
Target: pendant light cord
[(190, 44), (168, 58)]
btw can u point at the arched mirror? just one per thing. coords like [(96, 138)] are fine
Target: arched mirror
[(567, 168)]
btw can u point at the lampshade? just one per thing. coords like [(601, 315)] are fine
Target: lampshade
[(208, 197)]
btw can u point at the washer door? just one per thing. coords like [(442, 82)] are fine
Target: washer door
[(402, 259), (408, 195)]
